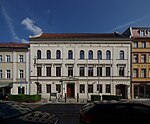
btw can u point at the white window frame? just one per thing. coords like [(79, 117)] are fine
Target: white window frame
[(7, 58), (135, 44), (143, 58), (0, 58), (21, 58), (143, 44), (1, 74), (21, 74), (142, 33), (143, 73), (8, 74), (135, 73), (135, 58)]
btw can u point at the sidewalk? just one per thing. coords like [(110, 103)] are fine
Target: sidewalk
[(63, 101)]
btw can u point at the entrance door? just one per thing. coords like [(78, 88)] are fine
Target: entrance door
[(70, 90)]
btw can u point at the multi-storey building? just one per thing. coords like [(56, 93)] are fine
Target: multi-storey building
[(80, 64), (14, 68), (140, 61)]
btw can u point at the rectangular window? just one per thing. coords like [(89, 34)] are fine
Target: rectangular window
[(143, 44), (21, 90), (108, 87), (135, 73), (135, 58), (20, 58), (99, 71), (135, 44), (143, 58), (142, 33), (149, 58), (82, 69), (48, 71), (121, 71), (48, 88), (99, 88), (0, 58), (82, 88), (58, 71), (7, 58), (90, 88), (0, 74), (149, 73), (58, 88), (143, 73), (70, 71), (21, 74), (107, 71), (90, 71), (8, 74), (39, 71)]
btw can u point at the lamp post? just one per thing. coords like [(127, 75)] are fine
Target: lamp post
[(37, 83)]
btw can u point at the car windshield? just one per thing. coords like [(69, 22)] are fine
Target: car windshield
[(12, 109)]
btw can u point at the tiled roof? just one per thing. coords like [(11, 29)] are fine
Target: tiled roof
[(14, 45), (76, 36)]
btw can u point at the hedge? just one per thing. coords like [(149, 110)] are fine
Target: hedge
[(95, 97), (24, 98), (111, 97)]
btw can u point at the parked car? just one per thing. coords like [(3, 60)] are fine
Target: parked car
[(114, 112), (16, 113), (3, 96)]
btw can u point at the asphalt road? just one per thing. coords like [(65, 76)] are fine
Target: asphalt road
[(67, 113)]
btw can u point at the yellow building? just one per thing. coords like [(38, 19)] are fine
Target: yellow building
[(140, 61)]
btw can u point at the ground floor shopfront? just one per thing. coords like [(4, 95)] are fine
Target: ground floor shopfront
[(140, 90)]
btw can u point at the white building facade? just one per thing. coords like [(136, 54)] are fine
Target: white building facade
[(80, 65), (14, 68)]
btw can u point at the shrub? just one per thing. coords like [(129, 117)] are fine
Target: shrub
[(24, 98), (95, 97), (111, 97)]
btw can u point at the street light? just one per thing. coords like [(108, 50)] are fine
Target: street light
[(37, 83)]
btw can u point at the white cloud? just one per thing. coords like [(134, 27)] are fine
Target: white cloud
[(9, 22), (11, 27), (31, 26), (131, 22)]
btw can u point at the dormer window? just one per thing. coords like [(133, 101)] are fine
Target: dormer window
[(142, 33), (148, 33)]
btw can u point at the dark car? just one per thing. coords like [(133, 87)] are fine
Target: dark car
[(3, 96), (114, 112), (17, 113)]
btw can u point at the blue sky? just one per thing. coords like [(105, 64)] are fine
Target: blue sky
[(21, 18)]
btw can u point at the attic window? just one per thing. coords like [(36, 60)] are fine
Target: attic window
[(142, 33), (149, 33)]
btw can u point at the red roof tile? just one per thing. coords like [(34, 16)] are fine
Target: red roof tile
[(15, 45)]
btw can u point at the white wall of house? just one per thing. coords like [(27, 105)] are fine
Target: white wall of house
[(76, 46)]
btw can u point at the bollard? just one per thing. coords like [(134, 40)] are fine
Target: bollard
[(65, 97), (77, 97)]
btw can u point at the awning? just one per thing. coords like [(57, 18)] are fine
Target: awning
[(6, 85)]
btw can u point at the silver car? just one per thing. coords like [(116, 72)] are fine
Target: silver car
[(16, 113)]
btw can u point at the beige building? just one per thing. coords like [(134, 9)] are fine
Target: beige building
[(14, 68), (75, 65), (140, 61)]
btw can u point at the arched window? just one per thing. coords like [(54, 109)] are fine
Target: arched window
[(99, 54), (58, 54), (48, 54), (39, 54), (121, 54), (81, 54), (90, 54), (108, 55), (70, 54)]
